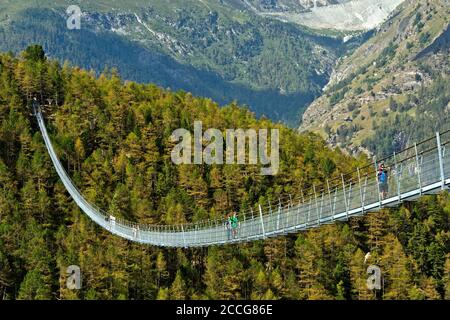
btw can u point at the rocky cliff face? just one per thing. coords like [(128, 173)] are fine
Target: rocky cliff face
[(290, 5), (386, 77)]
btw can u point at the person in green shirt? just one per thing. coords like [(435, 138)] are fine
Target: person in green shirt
[(234, 224)]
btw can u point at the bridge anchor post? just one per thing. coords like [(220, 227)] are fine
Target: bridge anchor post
[(331, 202), (418, 168), (398, 181), (262, 222), (345, 197), (361, 191), (317, 205), (378, 182), (441, 159)]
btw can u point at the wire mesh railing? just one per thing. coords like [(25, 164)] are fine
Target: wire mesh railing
[(420, 169)]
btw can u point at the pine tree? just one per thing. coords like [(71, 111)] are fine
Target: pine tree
[(260, 285), (358, 272), (278, 283), (178, 289), (120, 204), (161, 267), (269, 295), (429, 286), (80, 152), (376, 230), (307, 256), (163, 294), (223, 280), (395, 268), (34, 287), (446, 278), (191, 179)]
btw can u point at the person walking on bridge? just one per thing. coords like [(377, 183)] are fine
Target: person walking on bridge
[(234, 224), (383, 181), (228, 226)]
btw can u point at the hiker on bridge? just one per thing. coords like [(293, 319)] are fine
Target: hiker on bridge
[(383, 181), (228, 226), (135, 232), (234, 224)]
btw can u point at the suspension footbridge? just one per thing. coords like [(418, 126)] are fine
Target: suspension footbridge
[(418, 170)]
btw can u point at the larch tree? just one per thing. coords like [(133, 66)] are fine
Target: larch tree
[(396, 269), (178, 288), (359, 276)]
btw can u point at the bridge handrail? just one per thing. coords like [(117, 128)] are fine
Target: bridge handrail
[(307, 206)]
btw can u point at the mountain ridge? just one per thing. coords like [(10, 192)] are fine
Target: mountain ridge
[(387, 79), (211, 48)]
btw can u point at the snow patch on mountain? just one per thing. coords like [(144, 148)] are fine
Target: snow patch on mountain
[(353, 15)]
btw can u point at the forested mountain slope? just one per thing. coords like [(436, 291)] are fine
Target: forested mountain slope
[(394, 89), (113, 139), (217, 49)]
